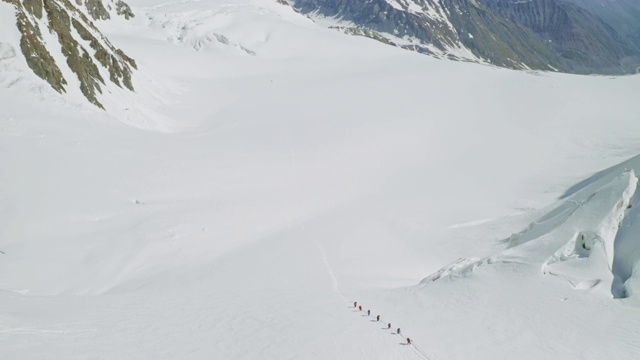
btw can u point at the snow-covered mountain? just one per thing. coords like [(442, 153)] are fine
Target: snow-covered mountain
[(536, 34), (268, 172)]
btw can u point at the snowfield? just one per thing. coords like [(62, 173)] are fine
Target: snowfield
[(269, 172)]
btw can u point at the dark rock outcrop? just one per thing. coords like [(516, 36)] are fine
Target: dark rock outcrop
[(64, 20), (124, 10), (32, 45), (96, 9)]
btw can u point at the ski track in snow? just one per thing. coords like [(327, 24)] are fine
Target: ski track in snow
[(413, 346), (41, 331), (335, 285)]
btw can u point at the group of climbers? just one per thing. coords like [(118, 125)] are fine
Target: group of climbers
[(359, 307)]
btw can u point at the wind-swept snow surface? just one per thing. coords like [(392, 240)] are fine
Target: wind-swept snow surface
[(293, 170)]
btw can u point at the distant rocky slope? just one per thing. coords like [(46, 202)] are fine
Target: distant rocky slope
[(583, 40), (84, 51), (622, 15), (457, 29), (534, 34)]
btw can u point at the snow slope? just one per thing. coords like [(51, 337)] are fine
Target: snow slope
[(297, 170)]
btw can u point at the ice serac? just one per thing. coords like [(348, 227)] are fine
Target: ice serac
[(626, 259), (88, 54), (588, 239), (587, 258), (620, 231)]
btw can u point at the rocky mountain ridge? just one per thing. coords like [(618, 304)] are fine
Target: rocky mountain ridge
[(83, 52), (535, 34)]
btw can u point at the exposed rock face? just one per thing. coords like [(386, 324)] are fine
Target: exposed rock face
[(123, 9), (96, 10), (32, 45), (583, 40), (88, 57), (382, 17), (622, 15), (537, 34), (499, 40)]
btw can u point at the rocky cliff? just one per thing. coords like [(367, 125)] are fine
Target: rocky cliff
[(86, 53)]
